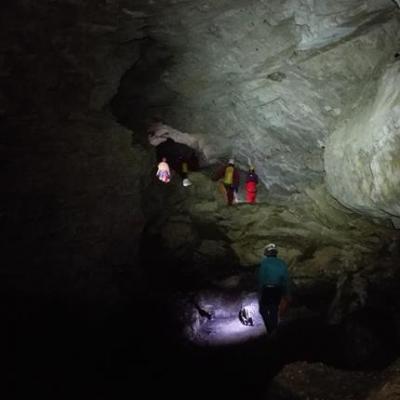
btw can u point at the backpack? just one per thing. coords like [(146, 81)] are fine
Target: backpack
[(228, 179)]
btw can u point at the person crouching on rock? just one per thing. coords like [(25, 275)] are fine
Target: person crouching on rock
[(163, 171)]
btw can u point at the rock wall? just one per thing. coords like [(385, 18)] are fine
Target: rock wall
[(361, 157), (71, 204), (267, 83)]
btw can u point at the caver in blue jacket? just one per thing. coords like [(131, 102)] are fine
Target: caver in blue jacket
[(274, 272), (273, 281)]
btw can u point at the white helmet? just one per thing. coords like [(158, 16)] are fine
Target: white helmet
[(186, 182), (231, 161), (270, 247)]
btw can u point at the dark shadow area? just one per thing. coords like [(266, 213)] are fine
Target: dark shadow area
[(175, 153), (369, 339), (60, 348), (184, 268), (141, 95), (66, 351), (350, 346)]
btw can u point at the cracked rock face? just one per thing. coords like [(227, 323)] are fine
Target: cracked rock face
[(361, 158), (269, 83)]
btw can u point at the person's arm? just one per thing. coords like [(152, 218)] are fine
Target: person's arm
[(258, 278), (285, 281), (286, 299), (262, 272)]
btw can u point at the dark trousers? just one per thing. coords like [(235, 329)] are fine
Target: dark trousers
[(229, 194), (269, 306)]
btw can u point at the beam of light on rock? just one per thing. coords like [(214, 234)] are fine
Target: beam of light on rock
[(229, 330)]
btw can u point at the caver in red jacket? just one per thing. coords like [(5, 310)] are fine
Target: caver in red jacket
[(251, 186)]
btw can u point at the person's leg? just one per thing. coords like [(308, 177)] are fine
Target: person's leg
[(263, 310), (222, 190), (229, 194), (273, 317), (269, 305), (283, 306), (235, 191), (248, 197), (164, 176), (269, 314)]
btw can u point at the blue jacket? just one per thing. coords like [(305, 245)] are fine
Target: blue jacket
[(274, 271)]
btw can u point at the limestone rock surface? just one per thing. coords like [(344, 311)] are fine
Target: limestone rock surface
[(266, 83), (361, 157)]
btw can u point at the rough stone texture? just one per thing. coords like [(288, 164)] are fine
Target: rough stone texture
[(322, 241), (79, 207), (361, 157), (70, 208), (268, 83), (389, 388), (314, 381), (161, 132)]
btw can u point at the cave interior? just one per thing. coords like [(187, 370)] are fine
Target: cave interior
[(116, 284)]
